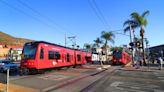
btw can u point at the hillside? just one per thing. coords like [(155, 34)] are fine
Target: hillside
[(10, 40)]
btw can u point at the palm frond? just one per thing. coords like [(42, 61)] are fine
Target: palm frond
[(145, 22), (127, 22), (146, 13), (137, 18), (134, 24), (126, 29), (108, 36), (135, 15)]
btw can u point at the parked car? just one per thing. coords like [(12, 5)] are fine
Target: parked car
[(7, 64)]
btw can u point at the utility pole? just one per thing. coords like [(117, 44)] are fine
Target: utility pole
[(73, 39), (131, 42), (65, 40)]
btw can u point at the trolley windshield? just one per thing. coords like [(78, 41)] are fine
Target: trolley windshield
[(117, 54), (29, 51)]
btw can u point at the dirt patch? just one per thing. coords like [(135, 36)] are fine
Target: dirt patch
[(16, 88)]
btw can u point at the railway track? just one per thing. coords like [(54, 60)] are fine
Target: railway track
[(104, 77), (83, 81)]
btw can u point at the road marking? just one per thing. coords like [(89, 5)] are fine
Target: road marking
[(53, 77), (130, 86), (135, 87), (115, 84), (162, 80), (161, 77)]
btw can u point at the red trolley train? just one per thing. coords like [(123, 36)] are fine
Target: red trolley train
[(120, 57), (41, 55)]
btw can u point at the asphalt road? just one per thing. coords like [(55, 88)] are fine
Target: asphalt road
[(55, 79), (130, 81), (91, 79)]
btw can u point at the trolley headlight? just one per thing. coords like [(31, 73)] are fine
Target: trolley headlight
[(2, 63)]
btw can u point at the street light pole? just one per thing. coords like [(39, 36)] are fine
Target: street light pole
[(7, 85)]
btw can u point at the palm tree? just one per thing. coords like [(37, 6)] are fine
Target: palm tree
[(142, 22), (88, 46), (116, 48), (107, 36), (98, 41), (130, 25)]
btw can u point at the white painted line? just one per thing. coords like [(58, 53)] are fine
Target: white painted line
[(115, 84)]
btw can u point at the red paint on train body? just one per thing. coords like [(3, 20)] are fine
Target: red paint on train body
[(43, 55), (121, 57)]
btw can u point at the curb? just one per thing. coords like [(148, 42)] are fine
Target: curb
[(128, 64)]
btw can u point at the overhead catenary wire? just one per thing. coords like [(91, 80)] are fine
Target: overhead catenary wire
[(48, 19), (101, 14), (36, 18), (98, 13), (33, 17), (45, 17), (118, 32), (19, 10)]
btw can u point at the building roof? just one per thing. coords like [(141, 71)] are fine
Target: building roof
[(157, 46)]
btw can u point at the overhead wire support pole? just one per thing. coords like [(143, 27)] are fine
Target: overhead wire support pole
[(73, 39), (131, 42), (65, 40)]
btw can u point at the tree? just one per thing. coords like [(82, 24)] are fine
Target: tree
[(142, 22), (107, 36), (116, 48), (130, 25), (88, 46), (98, 41)]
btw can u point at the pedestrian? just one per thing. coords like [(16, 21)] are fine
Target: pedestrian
[(159, 61), (137, 62)]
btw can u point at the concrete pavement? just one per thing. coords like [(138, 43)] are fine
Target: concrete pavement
[(129, 79)]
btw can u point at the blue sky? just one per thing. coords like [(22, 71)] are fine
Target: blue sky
[(50, 20)]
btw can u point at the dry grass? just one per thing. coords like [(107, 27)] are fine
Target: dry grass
[(16, 88), (10, 40)]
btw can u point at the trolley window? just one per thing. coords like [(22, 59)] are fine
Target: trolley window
[(68, 57), (53, 55), (117, 54), (42, 53), (78, 57)]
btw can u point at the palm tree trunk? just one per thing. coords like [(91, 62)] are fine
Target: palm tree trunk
[(106, 49), (99, 53), (130, 33), (131, 42), (143, 48)]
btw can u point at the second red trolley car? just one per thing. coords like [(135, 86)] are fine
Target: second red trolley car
[(120, 57)]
